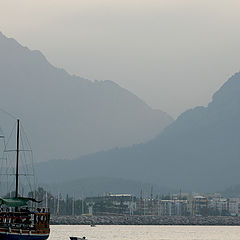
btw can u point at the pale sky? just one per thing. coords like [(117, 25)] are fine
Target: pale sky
[(173, 54)]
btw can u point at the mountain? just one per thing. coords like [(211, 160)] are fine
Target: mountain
[(95, 186), (232, 191), (199, 151), (67, 116)]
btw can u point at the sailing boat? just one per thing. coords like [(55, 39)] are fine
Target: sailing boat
[(17, 220)]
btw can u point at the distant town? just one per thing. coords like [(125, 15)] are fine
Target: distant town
[(108, 204)]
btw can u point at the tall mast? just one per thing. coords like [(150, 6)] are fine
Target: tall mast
[(17, 159)]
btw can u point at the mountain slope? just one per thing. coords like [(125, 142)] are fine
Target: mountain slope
[(67, 116), (199, 151), (96, 186)]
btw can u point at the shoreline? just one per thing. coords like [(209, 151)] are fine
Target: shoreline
[(146, 220)]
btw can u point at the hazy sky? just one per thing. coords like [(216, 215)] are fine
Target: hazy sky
[(174, 54)]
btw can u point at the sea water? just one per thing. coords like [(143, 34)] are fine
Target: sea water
[(63, 232)]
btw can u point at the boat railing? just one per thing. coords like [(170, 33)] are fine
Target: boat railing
[(26, 220)]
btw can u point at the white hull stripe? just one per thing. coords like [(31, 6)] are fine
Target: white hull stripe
[(24, 234)]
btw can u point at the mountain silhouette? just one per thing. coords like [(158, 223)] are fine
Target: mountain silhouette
[(200, 151), (97, 186), (65, 115)]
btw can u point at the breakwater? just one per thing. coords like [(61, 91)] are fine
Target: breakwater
[(145, 220)]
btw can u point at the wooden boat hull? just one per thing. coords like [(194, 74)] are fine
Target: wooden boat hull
[(6, 235)]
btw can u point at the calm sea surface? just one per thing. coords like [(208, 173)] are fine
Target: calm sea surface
[(145, 232)]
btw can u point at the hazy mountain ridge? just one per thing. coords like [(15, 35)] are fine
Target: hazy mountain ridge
[(232, 191), (199, 151), (66, 115), (99, 185)]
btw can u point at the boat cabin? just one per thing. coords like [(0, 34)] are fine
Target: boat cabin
[(23, 218)]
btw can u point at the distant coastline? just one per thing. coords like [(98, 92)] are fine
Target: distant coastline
[(146, 220)]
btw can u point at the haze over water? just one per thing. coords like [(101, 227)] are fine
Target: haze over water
[(146, 232)]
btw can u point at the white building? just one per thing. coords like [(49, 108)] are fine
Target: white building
[(219, 204), (234, 206)]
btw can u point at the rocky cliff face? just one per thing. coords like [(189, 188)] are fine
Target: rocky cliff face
[(67, 116)]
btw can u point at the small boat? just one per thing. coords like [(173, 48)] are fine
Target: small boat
[(93, 225), (78, 238)]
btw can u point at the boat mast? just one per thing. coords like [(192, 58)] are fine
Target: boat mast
[(17, 158)]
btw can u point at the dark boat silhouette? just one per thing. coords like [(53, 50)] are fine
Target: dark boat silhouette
[(78, 238), (17, 220)]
